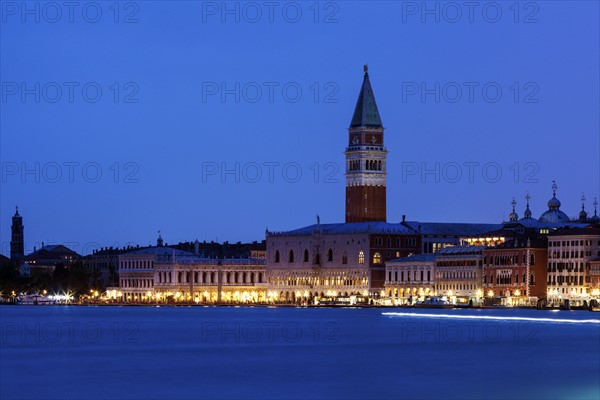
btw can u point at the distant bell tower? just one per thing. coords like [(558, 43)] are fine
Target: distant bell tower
[(17, 239), (366, 160)]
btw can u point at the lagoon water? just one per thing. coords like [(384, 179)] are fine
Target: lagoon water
[(272, 353)]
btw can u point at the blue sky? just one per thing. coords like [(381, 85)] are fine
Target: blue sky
[(190, 90)]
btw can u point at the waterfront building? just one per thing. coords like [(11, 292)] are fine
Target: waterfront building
[(45, 259), (166, 274), (516, 271), (335, 260), (458, 273), (136, 270), (410, 278), (571, 254), (103, 265), (210, 280)]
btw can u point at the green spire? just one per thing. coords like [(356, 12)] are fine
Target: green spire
[(366, 113)]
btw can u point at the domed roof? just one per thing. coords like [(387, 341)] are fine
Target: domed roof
[(513, 215), (595, 219), (554, 214), (527, 213), (553, 203), (582, 215)]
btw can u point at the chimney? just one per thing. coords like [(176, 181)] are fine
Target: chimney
[(403, 218)]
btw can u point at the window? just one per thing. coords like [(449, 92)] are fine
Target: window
[(277, 256), (330, 255), (377, 258), (345, 258), (361, 257), (305, 255)]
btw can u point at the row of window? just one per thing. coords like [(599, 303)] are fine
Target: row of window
[(415, 276), (509, 259), (408, 242), (566, 280), (572, 253), (456, 275), (505, 279), (136, 264), (556, 243), (456, 287), (370, 165), (317, 257), (568, 266), (137, 283), (182, 277)]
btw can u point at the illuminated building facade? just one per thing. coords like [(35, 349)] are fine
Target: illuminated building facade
[(165, 274), (410, 278), (516, 270), (458, 272), (334, 260), (571, 253), (211, 280)]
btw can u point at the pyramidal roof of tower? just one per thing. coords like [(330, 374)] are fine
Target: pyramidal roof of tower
[(366, 113)]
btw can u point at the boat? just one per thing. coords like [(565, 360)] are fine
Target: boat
[(433, 302), (34, 300)]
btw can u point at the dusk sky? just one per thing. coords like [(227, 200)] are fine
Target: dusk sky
[(189, 91)]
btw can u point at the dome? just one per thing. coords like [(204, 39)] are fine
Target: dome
[(582, 215), (513, 216), (554, 216), (528, 222), (554, 203), (595, 219)]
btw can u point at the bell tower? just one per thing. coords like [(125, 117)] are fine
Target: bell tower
[(366, 160), (17, 239)]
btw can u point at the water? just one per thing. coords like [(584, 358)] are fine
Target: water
[(273, 353)]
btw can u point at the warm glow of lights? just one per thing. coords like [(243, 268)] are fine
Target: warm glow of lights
[(488, 317), (517, 292), (479, 293), (491, 293)]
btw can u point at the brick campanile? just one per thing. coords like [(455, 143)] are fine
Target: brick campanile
[(17, 239), (366, 160)]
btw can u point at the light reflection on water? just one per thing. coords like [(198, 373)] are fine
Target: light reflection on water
[(260, 352)]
